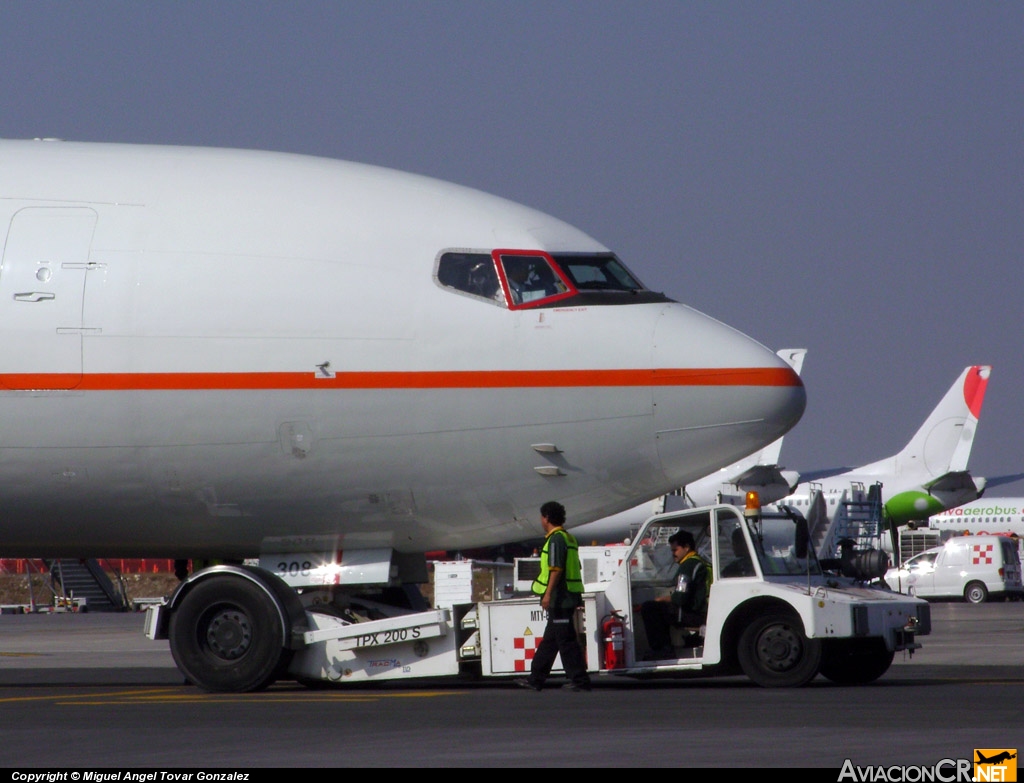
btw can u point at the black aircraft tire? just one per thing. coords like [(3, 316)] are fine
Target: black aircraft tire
[(855, 661), (226, 636), (774, 652)]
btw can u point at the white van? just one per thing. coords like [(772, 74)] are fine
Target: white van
[(975, 567)]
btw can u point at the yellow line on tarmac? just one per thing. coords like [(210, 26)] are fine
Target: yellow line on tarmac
[(60, 696)]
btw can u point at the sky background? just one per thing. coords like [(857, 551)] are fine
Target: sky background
[(845, 177)]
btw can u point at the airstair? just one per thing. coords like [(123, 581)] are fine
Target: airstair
[(860, 517), (85, 579), (857, 517)]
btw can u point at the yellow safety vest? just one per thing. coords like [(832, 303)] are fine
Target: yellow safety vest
[(573, 571)]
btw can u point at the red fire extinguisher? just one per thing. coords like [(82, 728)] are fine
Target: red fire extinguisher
[(613, 631)]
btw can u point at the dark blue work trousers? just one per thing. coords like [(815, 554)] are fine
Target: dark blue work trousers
[(559, 639)]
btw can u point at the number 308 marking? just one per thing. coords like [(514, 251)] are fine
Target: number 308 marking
[(294, 568)]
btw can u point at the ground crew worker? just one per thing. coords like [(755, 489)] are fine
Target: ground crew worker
[(688, 603), (560, 586)]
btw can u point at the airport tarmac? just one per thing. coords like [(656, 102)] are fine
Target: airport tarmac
[(90, 691)]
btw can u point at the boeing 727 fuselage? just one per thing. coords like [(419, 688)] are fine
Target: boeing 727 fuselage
[(213, 353)]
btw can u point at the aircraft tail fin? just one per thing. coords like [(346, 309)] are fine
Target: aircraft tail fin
[(943, 443)]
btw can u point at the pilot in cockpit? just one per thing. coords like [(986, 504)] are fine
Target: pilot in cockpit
[(530, 279), (522, 281), (482, 280)]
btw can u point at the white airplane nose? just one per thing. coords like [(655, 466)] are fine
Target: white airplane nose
[(718, 394)]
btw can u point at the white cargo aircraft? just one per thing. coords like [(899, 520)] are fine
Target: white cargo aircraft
[(213, 353)]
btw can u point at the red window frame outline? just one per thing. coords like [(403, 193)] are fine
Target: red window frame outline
[(544, 301)]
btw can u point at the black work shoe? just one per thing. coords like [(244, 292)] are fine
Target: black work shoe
[(571, 686), (526, 684)]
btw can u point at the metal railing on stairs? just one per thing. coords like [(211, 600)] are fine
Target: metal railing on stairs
[(75, 580)]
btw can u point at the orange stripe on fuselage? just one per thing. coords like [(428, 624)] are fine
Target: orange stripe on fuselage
[(442, 379)]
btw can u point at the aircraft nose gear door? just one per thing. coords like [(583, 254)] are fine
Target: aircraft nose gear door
[(42, 285)]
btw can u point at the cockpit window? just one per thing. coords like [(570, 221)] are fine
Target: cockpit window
[(531, 278), (597, 273), (526, 279), (471, 273)]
